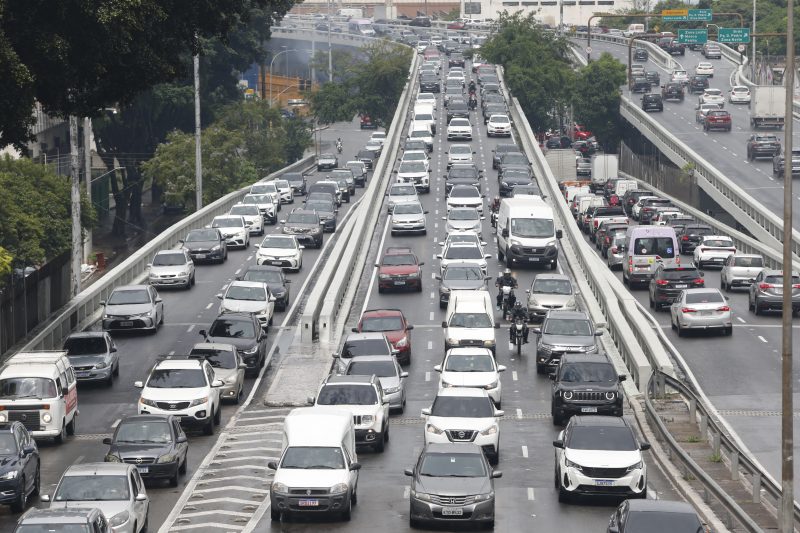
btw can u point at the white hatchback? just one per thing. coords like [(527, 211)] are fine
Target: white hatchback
[(739, 95), (713, 250), (459, 128), (712, 96), (499, 125), (472, 367), (252, 217)]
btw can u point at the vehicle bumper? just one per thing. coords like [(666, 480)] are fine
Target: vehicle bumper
[(431, 512), (207, 255), (132, 324), (718, 260), (632, 484), (191, 416), (399, 284), (283, 262), (567, 409), (740, 281), (157, 470), (177, 281), (776, 303), (9, 490), (490, 444), (326, 166), (366, 436), (409, 228), (539, 311), (455, 136), (546, 255), (93, 375), (499, 131), (229, 391), (325, 503), (235, 241), (722, 321), (313, 239)]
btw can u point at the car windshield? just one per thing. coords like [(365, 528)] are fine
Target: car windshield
[(356, 168), (169, 259), (264, 276), (16, 388), (243, 292), (456, 172), (469, 363), (464, 192), (568, 326), (200, 235), (143, 432), (217, 358), (414, 156), (411, 166), (93, 488), (53, 528), (420, 134), (407, 209), (304, 218), (515, 159), (470, 320), (463, 273), (403, 190), (257, 199), (239, 329), (279, 242), (680, 274), (459, 122), (382, 369), (381, 323), (354, 348), (601, 438), (463, 214), (327, 156), (460, 150), (713, 92), (755, 262), (347, 395), (660, 246), (588, 373), (662, 522), (8, 444), (85, 346), (551, 286), (462, 407), (177, 378), (463, 252), (704, 298), (228, 222), (313, 458), (717, 113), (500, 119), (532, 227), (423, 116), (125, 297), (399, 259), (452, 465)]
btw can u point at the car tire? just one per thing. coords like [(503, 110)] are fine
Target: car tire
[(37, 481), (348, 513), (563, 495), (110, 381), (217, 416), (61, 437), (540, 368), (185, 465), (728, 331), (380, 444), (679, 328), (756, 308), (173, 480), (208, 429), (274, 514), (21, 501), (72, 426)]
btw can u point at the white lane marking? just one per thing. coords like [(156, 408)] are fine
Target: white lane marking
[(190, 329), (740, 319), (433, 295), (433, 274), (530, 494), (209, 306), (238, 271), (519, 413), (427, 376), (651, 493), (116, 423), (406, 492), (172, 352), (514, 375), (762, 339), (430, 345), (525, 451), (431, 315)]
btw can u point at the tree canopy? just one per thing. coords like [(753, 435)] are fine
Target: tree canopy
[(597, 95)]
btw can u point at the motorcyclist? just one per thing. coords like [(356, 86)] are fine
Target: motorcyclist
[(471, 86), (473, 101), (339, 145), (494, 206), (519, 312), (506, 280)]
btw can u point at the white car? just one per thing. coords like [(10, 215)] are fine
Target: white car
[(249, 297), (713, 250), (465, 196), (459, 153), (712, 96), (234, 229), (703, 309), (464, 414), (499, 125), (739, 95), (265, 204), (427, 98), (399, 193), (463, 219), (171, 268), (704, 68), (463, 252), (416, 173), (183, 387), (378, 136), (416, 155), (472, 367), (267, 187), (680, 76), (285, 190), (408, 217), (459, 129), (599, 456), (282, 251), (374, 145), (462, 236), (637, 207), (252, 217), (422, 45), (455, 77)]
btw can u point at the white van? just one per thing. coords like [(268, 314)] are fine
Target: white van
[(526, 232), (421, 131), (470, 320), (645, 248), (318, 467), (424, 114), (39, 390), (623, 186), (633, 29)]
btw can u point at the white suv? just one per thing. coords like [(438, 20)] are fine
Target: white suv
[(464, 415), (713, 250), (363, 396), (184, 387), (234, 229), (599, 455)]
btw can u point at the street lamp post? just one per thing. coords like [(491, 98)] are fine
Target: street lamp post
[(270, 71)]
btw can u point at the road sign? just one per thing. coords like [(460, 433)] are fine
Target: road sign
[(698, 36), (700, 14), (741, 48), (588, 49), (674, 14), (734, 35)]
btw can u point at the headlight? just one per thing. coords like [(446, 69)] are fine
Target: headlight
[(119, 519), (484, 497), (567, 394), (610, 395), (10, 475), (216, 248), (280, 488), (169, 458), (424, 496), (551, 243), (391, 390), (402, 342), (570, 464), (231, 380), (488, 344), (453, 342), (492, 385), (111, 458), (46, 418), (339, 488), (149, 402), (545, 348), (637, 466), (183, 273), (367, 420), (198, 401), (414, 275), (491, 430), (251, 351), (430, 428), (100, 365), (144, 315), (514, 242)]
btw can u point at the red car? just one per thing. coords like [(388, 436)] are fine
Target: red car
[(456, 26), (399, 269), (580, 133), (367, 124), (391, 323), (717, 119)]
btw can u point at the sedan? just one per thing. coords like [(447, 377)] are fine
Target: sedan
[(388, 371), (234, 229), (465, 196), (401, 193), (460, 276), (248, 297), (463, 219), (704, 309), (646, 516), (280, 250), (327, 162), (704, 68), (459, 129), (499, 125), (739, 95), (228, 368), (703, 110), (171, 268), (133, 307), (459, 153), (93, 356), (19, 466), (550, 291), (399, 269), (472, 367)]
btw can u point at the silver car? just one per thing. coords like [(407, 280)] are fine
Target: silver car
[(550, 291), (93, 356), (408, 217), (464, 219), (705, 309), (615, 256), (133, 307), (740, 270), (389, 373), (116, 489), (401, 192), (228, 368), (766, 292), (171, 268)]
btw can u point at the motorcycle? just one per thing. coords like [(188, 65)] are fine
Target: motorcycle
[(507, 301), (493, 218), (339, 146), (518, 334)]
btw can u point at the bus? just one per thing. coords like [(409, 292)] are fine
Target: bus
[(361, 27)]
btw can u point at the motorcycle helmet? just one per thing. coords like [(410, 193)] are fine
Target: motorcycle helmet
[(517, 305), (507, 271)]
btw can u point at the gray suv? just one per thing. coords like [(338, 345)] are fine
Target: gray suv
[(305, 225), (766, 292), (564, 332)]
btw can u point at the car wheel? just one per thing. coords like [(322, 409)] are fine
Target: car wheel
[(729, 331), (540, 368), (756, 308), (21, 501), (185, 465), (563, 495), (62, 436), (173, 480), (679, 328), (110, 381), (347, 513), (217, 416), (208, 429), (274, 514), (72, 426), (380, 444), (650, 300), (671, 322), (239, 395)]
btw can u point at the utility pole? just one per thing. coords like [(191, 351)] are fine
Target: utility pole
[(87, 176), (330, 50), (198, 152), (313, 58), (786, 522), (753, 57), (75, 201)]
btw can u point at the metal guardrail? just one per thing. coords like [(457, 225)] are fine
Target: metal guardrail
[(81, 309), (722, 444)]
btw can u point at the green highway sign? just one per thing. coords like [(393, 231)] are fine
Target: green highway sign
[(734, 35), (699, 36), (700, 14)]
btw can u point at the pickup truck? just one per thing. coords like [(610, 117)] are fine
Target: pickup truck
[(717, 120), (604, 216)]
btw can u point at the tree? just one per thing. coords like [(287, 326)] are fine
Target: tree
[(597, 97), (260, 127), (5, 262), (332, 103), (298, 137)]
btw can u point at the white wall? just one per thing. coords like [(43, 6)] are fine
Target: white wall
[(576, 12)]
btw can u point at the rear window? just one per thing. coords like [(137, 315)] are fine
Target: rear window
[(704, 298), (680, 274), (748, 262), (660, 246), (778, 280)]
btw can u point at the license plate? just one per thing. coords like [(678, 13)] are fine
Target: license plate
[(399, 282), (681, 286), (533, 259), (82, 374), (308, 503), (277, 263), (126, 324), (143, 469), (588, 409), (202, 256), (603, 482), (705, 313), (718, 260), (641, 268), (452, 511)]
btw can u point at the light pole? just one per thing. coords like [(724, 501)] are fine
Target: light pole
[(330, 49), (270, 71), (753, 31)]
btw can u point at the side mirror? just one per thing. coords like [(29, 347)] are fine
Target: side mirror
[(202, 332), (159, 300), (644, 446), (217, 383), (504, 233), (355, 467), (408, 472), (497, 474), (138, 384), (702, 274), (559, 234), (181, 241), (272, 465), (102, 302), (499, 413), (487, 256), (437, 368), (45, 498), (598, 333), (501, 368), (113, 349), (310, 400), (283, 221), (558, 443), (538, 331), (354, 330), (496, 326), (219, 296), (182, 439), (403, 375), (258, 246), (409, 327), (426, 411), (242, 366), (106, 441), (421, 263), (622, 378), (141, 497)]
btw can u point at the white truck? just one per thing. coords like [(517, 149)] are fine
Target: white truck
[(562, 163), (604, 167), (767, 106)]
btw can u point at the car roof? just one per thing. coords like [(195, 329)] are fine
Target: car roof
[(365, 336), (335, 379), (381, 312), (663, 506), (130, 288), (551, 276), (253, 284), (598, 421), (262, 268), (463, 392), (236, 316), (98, 469), (214, 346), (560, 313), (145, 418), (71, 515), (585, 358), (371, 358), (468, 350), (88, 335), (174, 364), (398, 250)]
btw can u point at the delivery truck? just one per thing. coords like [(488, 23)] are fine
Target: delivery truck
[(767, 106)]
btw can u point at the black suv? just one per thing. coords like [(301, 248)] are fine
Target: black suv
[(640, 54), (667, 283), (274, 278), (763, 145), (631, 198), (652, 102), (653, 77), (649, 209), (585, 384), (640, 84), (244, 331), (19, 466), (697, 84), (691, 236), (429, 84), (672, 91)]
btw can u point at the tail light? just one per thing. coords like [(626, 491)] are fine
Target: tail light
[(688, 310), (699, 281), (685, 238), (724, 308), (796, 286), (662, 282), (765, 286)]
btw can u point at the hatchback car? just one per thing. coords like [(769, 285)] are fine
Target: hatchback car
[(171, 268), (713, 250), (133, 307), (766, 292), (647, 516), (19, 466), (739, 95), (463, 219), (498, 125), (244, 331), (408, 217), (327, 161), (234, 229), (82, 519), (550, 291), (465, 196), (460, 276), (702, 309), (93, 356), (459, 129), (283, 251), (740, 270), (297, 181), (388, 371), (399, 269), (206, 245), (652, 102), (228, 368), (393, 324)]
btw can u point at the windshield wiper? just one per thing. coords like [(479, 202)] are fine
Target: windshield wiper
[(23, 396)]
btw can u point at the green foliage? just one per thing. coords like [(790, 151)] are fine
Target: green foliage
[(260, 128), (5, 262), (35, 212), (597, 96), (331, 103), (298, 137)]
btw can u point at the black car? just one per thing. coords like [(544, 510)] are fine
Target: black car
[(667, 283), (672, 91), (649, 516), (514, 159), (697, 84), (156, 444), (532, 189), (499, 150), (244, 331), (585, 384), (422, 22), (640, 84), (274, 278), (462, 174), (325, 209), (691, 236), (429, 84), (19, 466), (652, 102), (553, 143), (206, 245), (456, 60), (367, 157), (648, 209), (509, 182), (496, 108), (631, 198), (457, 110), (297, 181), (640, 54), (653, 77)]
